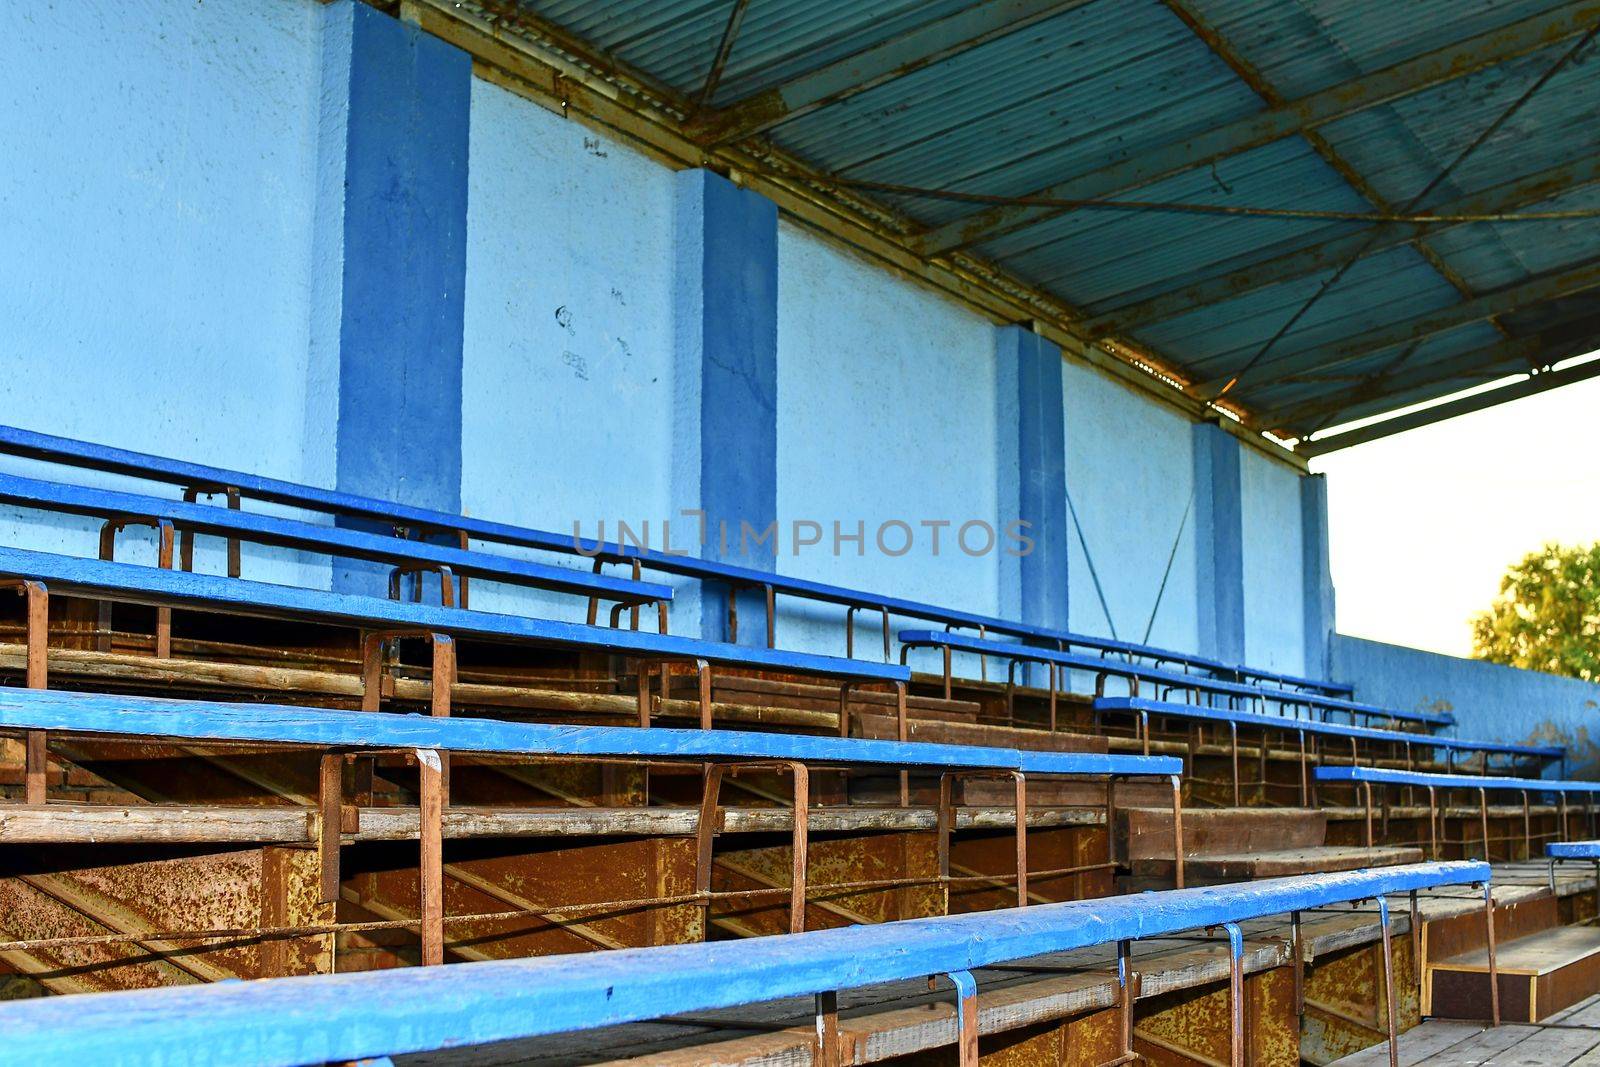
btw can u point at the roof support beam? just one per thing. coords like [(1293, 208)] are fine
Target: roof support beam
[(1249, 277), (1417, 328), (1507, 357), (884, 62), (1529, 386), (1402, 79)]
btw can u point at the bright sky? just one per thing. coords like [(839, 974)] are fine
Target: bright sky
[(1421, 525)]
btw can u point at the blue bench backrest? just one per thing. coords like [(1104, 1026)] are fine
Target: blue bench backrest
[(290, 1021), (1385, 776), (332, 540), (27, 443), (1098, 664), (153, 585), (206, 720), (1321, 729)]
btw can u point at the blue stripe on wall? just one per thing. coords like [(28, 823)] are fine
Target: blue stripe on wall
[(1032, 475), (1219, 543), (404, 266), (1317, 599), (728, 310)]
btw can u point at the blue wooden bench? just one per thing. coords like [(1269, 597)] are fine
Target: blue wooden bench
[(201, 480), (339, 1018), (1365, 778), (1103, 667), (405, 556), (130, 583), (40, 712), (1563, 851), (1143, 708)]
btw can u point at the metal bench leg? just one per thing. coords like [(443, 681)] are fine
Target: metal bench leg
[(1391, 999), (966, 1017), (705, 834), (1494, 968), (1177, 831), (330, 822), (772, 618), (703, 672), (827, 1052), (1128, 982), (37, 676), (903, 733), (1021, 783), (946, 820), (430, 837), (1297, 953), (1236, 1050), (799, 845)]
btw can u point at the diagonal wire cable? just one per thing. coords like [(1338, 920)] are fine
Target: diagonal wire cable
[(1477, 142), (1161, 590), (730, 33), (1093, 573)]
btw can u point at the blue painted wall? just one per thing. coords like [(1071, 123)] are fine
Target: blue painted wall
[(216, 273), (1131, 476), (1273, 564), (157, 208), (888, 415), (569, 391), (1487, 700)]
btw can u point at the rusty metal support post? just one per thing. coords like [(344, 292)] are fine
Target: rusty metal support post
[(1416, 942), (1366, 797), (1392, 1003), (1494, 968), (1297, 953), (1483, 814), (1433, 823), (1021, 784), (1177, 832), (799, 845), (703, 673), (1053, 688), (966, 1017), (1305, 775), (705, 834), (1236, 1037), (827, 1052), (1128, 983), (903, 733), (947, 672), (1233, 730), (945, 821), (330, 821), (643, 678), (430, 773), (37, 676)]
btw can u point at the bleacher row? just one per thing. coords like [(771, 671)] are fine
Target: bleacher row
[(655, 723)]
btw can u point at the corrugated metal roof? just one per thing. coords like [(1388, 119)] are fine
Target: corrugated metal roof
[(1090, 84)]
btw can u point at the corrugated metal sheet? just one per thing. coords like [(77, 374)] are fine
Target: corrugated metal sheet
[(1102, 82)]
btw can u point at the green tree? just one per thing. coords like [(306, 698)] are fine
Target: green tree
[(1547, 614)]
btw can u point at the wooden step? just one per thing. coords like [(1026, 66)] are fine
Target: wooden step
[(1539, 975), (1145, 833), (884, 727), (768, 692), (1218, 868)]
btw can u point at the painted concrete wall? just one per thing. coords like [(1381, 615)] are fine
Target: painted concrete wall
[(156, 220), (567, 382), (1488, 700), (163, 251), (852, 450), (1131, 479), (1274, 568)]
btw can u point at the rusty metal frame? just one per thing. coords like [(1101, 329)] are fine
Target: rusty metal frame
[(165, 534), (37, 676), (191, 495), (946, 825), (707, 828)]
